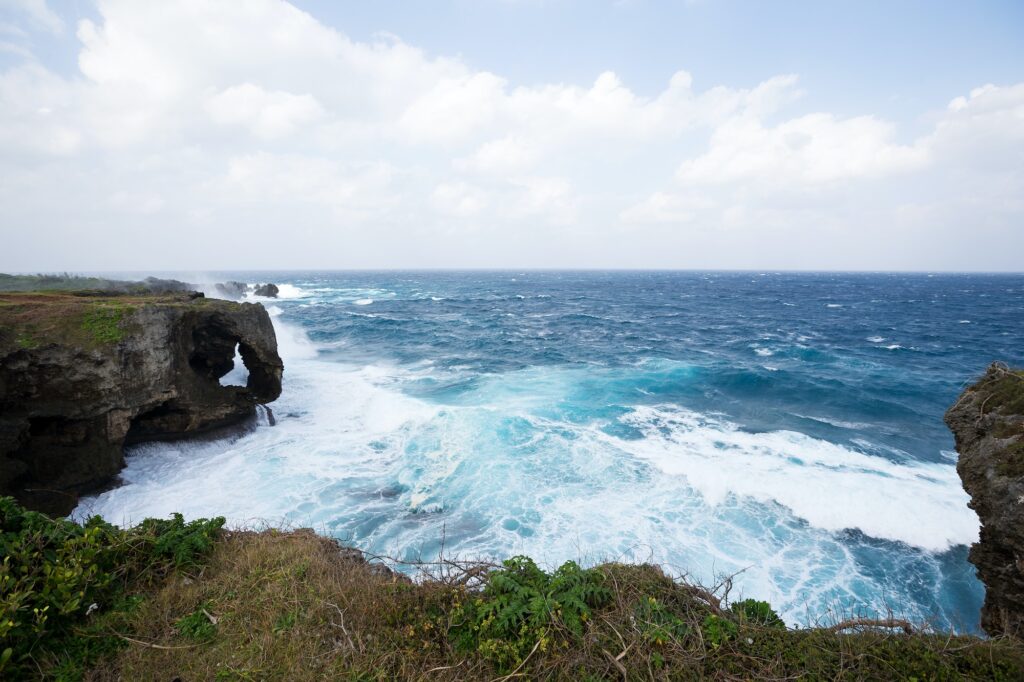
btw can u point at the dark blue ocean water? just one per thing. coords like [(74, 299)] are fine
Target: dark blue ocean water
[(787, 427)]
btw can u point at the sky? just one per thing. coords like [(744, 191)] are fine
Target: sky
[(695, 134)]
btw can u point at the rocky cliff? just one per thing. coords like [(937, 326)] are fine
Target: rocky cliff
[(83, 374), (988, 425)]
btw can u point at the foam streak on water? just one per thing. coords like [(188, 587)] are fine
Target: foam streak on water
[(622, 416)]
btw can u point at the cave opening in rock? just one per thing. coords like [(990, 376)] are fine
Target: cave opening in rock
[(239, 373), (215, 350), (167, 418), (215, 353)]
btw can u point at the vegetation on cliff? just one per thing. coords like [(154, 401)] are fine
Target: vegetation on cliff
[(69, 282), (28, 320), (190, 601), (62, 584)]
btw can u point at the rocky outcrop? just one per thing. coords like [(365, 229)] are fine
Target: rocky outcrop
[(82, 375), (234, 290), (239, 290), (267, 290), (988, 425)]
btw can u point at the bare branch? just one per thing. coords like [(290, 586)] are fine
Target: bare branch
[(873, 623)]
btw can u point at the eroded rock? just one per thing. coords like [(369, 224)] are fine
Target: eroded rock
[(81, 376), (988, 425)]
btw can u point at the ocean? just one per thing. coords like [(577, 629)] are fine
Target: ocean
[(782, 428)]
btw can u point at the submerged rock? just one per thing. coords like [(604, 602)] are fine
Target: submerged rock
[(988, 425), (82, 376), (268, 290)]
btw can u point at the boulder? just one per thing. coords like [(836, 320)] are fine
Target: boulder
[(268, 290)]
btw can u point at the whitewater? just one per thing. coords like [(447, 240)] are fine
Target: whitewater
[(785, 428)]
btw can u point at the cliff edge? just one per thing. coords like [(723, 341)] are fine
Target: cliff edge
[(84, 373), (988, 425)]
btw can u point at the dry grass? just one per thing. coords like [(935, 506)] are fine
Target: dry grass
[(86, 319), (296, 606), (288, 605)]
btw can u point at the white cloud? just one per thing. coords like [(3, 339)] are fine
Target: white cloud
[(984, 129), (666, 207), (296, 180), (458, 199), (506, 155), (266, 114), (811, 149), (187, 115), (548, 199), (453, 109), (141, 202)]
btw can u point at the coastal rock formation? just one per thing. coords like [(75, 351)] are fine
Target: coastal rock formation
[(82, 375), (988, 425), (233, 290), (268, 290), (238, 290)]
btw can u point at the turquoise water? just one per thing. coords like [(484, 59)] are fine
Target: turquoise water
[(785, 427)]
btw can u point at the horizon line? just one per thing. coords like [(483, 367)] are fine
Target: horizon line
[(760, 271)]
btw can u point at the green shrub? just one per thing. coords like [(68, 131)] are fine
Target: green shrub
[(657, 623), (522, 608), (56, 572), (717, 631), (172, 543), (52, 571), (757, 613), (197, 625)]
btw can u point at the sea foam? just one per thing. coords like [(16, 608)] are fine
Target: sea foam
[(829, 486)]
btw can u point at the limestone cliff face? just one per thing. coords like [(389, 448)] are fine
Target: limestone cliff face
[(988, 425), (83, 375)]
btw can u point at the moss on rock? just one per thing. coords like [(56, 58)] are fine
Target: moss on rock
[(103, 321)]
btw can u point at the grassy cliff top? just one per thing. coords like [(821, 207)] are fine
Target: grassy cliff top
[(173, 600), (86, 319), (277, 605), (290, 605)]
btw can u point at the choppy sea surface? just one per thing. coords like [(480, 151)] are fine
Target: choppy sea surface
[(783, 427)]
